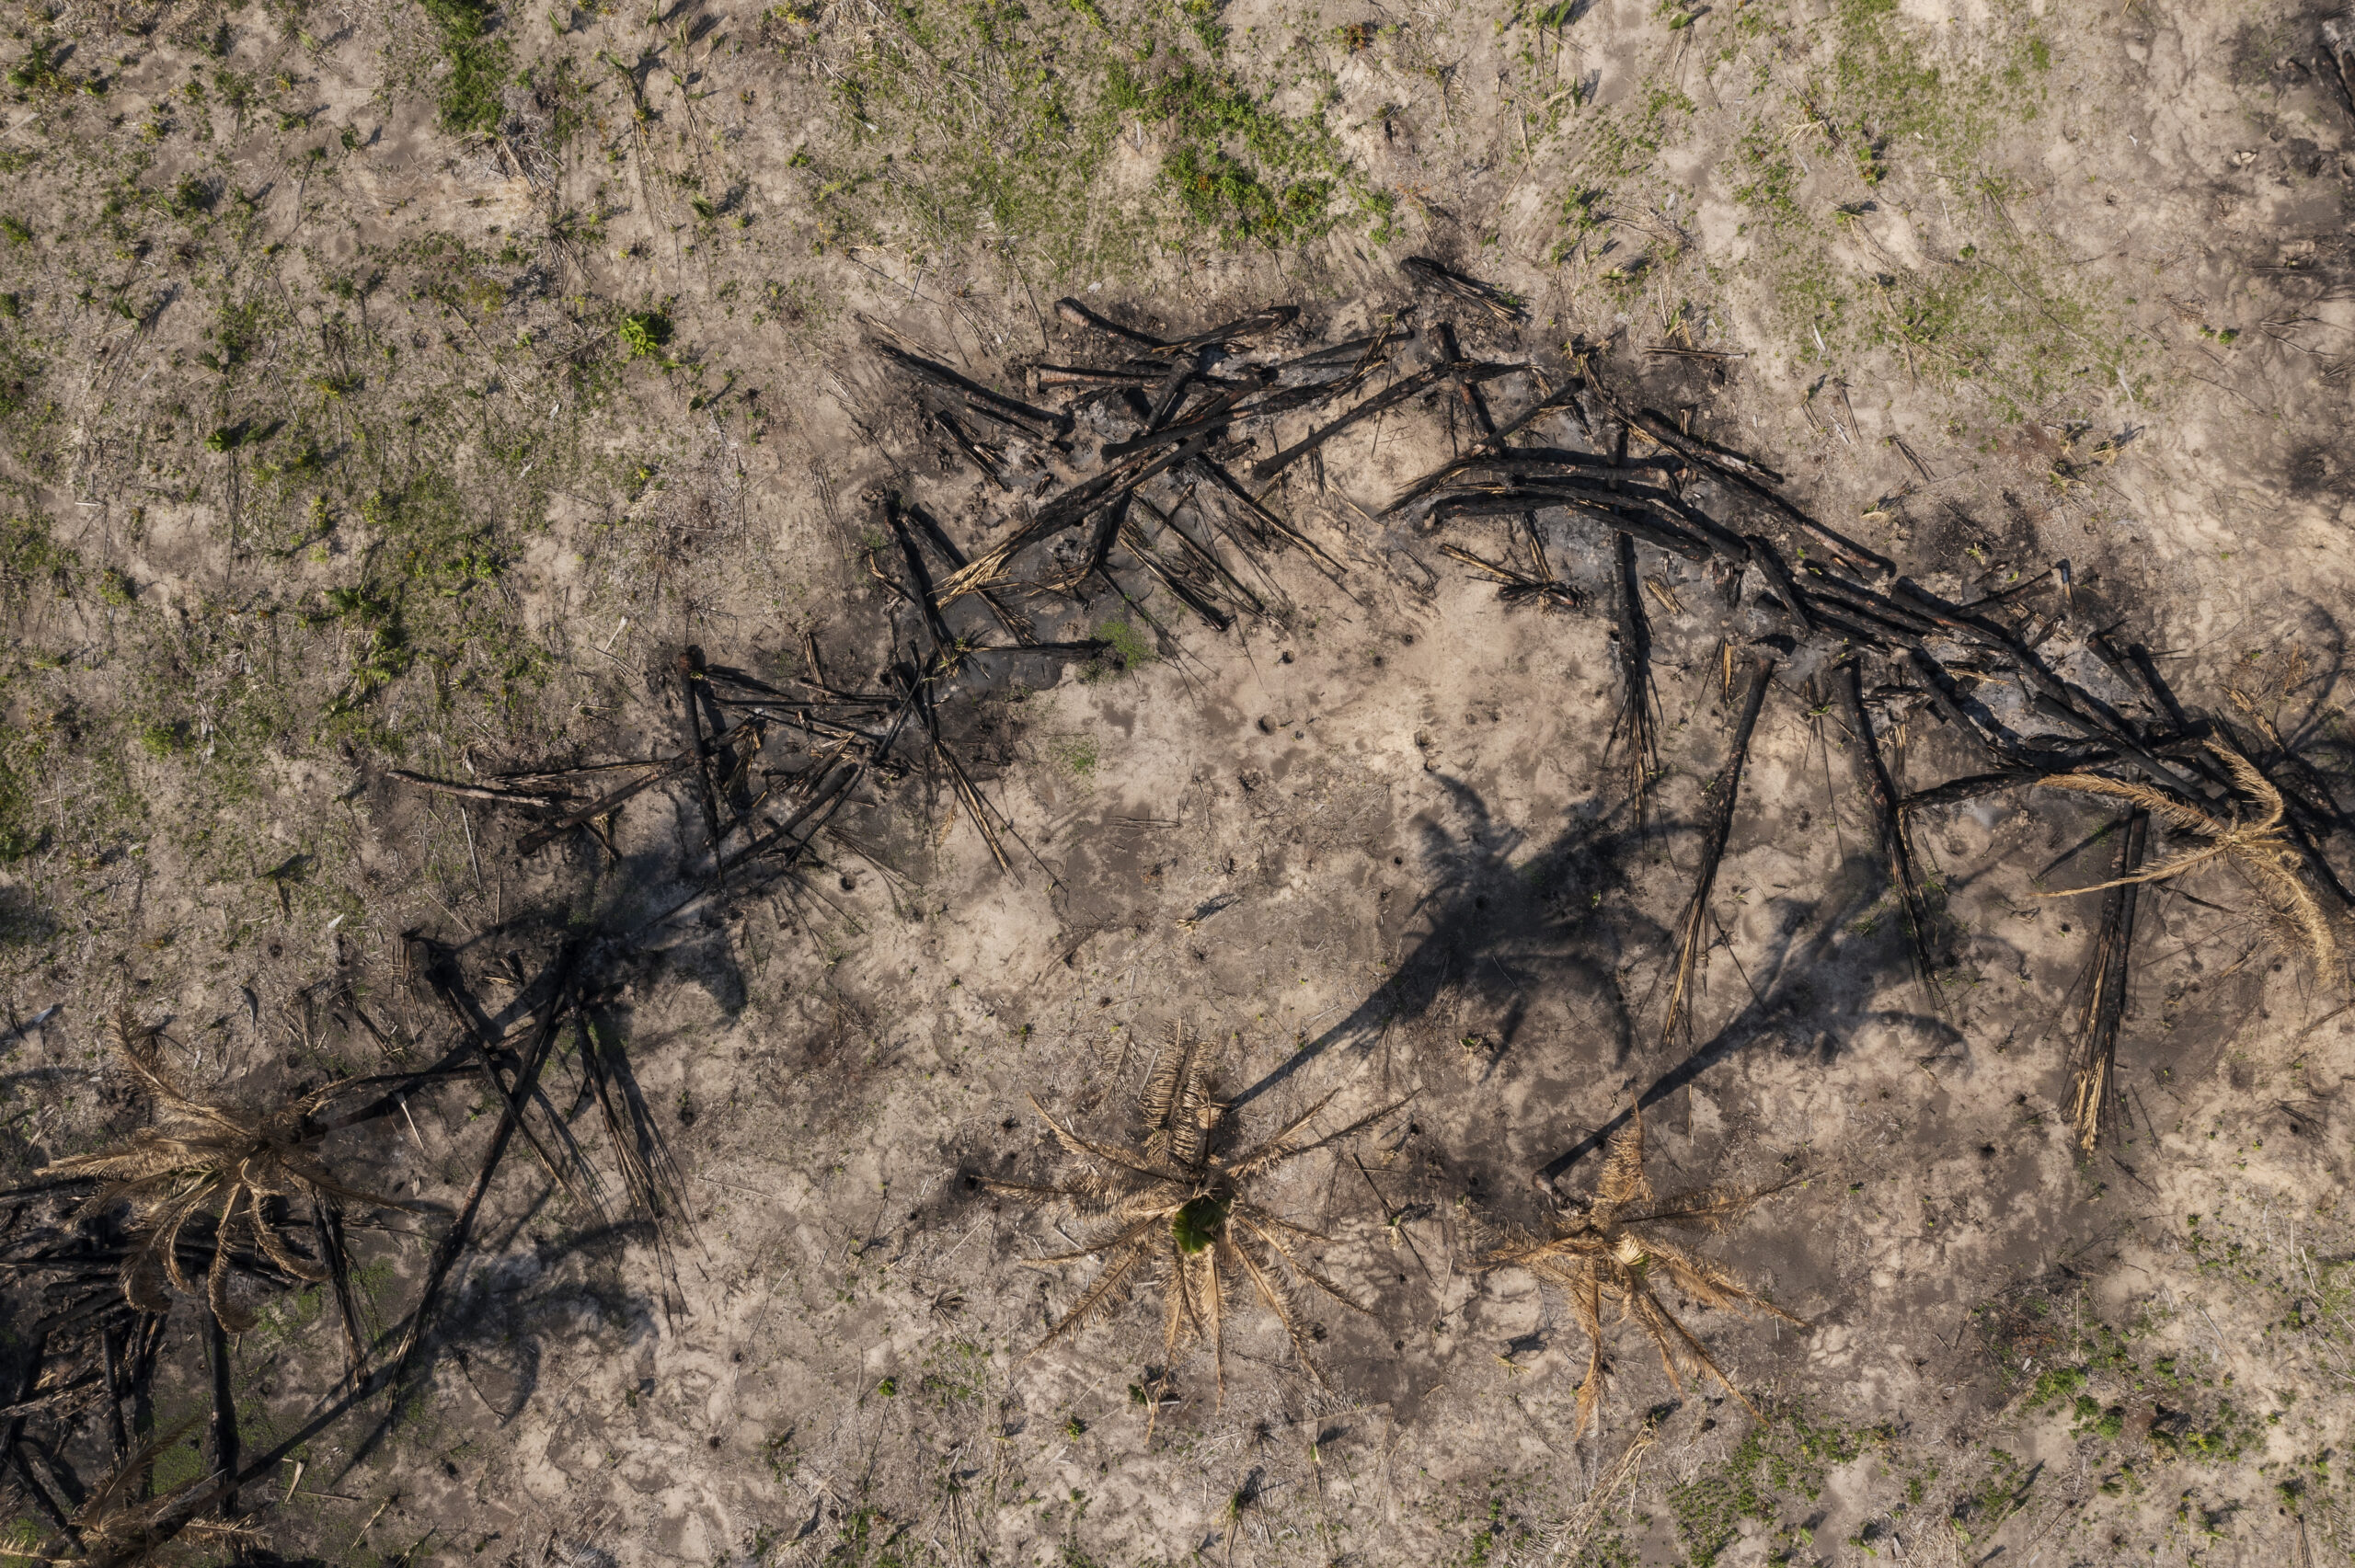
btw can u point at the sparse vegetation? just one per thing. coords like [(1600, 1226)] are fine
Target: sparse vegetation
[(1278, 184), (1129, 647)]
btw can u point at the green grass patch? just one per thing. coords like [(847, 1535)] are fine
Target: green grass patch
[(28, 557), (1771, 173), (1237, 165), (161, 740), (1787, 1462), (985, 121), (1129, 648), (1008, 148), (2003, 319), (468, 95), (181, 1464), (437, 540)]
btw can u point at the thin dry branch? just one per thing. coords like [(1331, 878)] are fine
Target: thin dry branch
[(1635, 730), (1505, 309), (1462, 372), (1678, 1021), (1890, 823)]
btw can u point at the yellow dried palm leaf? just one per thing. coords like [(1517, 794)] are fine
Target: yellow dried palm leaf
[(1623, 1182), (2259, 846)]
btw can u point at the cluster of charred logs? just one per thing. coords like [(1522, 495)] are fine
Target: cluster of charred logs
[(1165, 462), (1136, 473)]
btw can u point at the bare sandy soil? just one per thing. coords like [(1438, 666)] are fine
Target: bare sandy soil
[(402, 388)]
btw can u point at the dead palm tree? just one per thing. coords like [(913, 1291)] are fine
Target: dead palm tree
[(205, 1158), (2256, 844), (1176, 1209), (1613, 1252), (118, 1527)]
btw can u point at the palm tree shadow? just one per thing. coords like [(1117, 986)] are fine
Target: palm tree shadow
[(1810, 992), (494, 1327), (1492, 935), (2312, 695), (1498, 936), (490, 1325)]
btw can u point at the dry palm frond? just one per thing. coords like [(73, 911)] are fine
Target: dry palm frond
[(2309, 789), (1175, 1207), (203, 1158), (1516, 585), (1500, 307), (117, 1528), (1613, 1252), (2256, 844)]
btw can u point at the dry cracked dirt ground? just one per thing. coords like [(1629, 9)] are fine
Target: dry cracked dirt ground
[(398, 389)]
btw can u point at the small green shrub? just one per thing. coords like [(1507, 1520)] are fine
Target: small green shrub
[(644, 333), (161, 740), (190, 199), (37, 71), (2107, 1424), (2055, 1383)]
